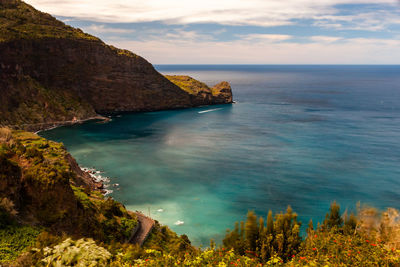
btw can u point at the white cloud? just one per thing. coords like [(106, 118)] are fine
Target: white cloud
[(96, 29), (325, 39), (232, 12), (347, 51), (265, 37), (371, 21)]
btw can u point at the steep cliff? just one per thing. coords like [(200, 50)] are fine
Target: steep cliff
[(43, 185), (81, 74)]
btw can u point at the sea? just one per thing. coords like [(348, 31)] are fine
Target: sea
[(298, 135)]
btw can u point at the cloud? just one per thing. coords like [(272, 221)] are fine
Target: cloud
[(265, 37), (371, 21), (96, 29), (325, 39), (229, 12), (347, 51)]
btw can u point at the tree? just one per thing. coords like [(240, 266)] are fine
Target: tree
[(333, 218), (350, 224), (251, 231), (270, 224), (310, 228)]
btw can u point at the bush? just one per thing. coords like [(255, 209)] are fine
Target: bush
[(14, 239), (82, 252)]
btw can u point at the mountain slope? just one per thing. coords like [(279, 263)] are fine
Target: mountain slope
[(78, 69)]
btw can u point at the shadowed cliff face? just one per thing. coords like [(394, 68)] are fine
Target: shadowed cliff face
[(64, 61), (111, 80)]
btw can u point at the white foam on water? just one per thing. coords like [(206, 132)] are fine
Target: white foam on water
[(209, 110)]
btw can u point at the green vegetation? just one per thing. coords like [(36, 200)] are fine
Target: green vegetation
[(279, 237), (39, 186), (188, 84), (21, 21), (83, 252), (19, 109), (14, 239)]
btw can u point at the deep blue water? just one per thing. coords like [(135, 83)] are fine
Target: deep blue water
[(298, 135)]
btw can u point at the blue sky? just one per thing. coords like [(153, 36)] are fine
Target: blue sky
[(241, 31)]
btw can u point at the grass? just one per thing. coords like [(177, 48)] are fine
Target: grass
[(189, 84), (15, 239)]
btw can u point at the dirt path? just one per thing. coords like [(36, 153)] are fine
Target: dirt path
[(146, 224)]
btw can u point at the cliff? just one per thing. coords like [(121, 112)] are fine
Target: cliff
[(53, 72), (42, 185)]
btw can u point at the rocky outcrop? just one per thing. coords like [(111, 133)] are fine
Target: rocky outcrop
[(200, 93), (86, 75)]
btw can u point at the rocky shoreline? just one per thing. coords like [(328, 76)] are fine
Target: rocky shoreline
[(100, 183)]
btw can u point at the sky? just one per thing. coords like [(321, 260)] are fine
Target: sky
[(241, 31)]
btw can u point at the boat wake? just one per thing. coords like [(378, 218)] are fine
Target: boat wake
[(209, 110)]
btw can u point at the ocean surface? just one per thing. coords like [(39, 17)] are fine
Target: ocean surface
[(298, 135)]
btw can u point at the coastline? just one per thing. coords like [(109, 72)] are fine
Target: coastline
[(53, 125)]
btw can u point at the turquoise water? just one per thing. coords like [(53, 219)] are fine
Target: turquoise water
[(298, 135)]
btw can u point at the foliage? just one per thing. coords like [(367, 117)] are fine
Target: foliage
[(50, 180), (14, 239), (82, 252), (280, 237), (330, 247), (82, 197), (208, 257), (333, 219)]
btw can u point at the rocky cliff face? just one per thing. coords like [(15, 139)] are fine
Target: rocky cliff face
[(68, 63)]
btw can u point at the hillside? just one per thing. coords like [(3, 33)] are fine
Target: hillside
[(53, 72)]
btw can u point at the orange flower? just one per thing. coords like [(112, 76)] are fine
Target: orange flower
[(367, 241), (373, 245), (314, 249), (315, 236)]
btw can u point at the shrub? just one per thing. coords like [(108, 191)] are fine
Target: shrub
[(14, 239), (82, 252)]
